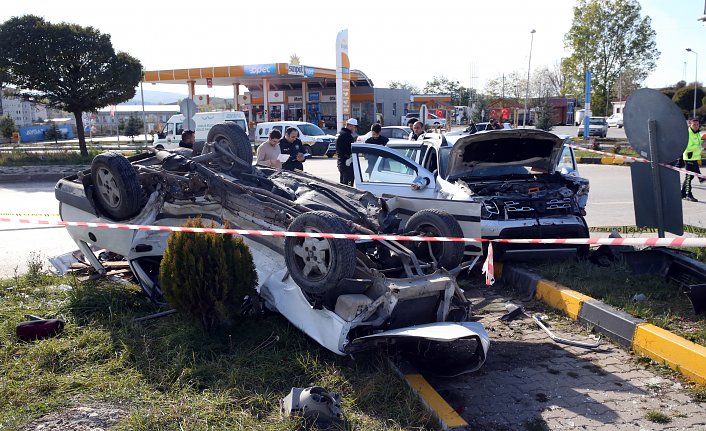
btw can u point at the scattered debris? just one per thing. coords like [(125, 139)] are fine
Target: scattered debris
[(513, 311), (314, 404), (639, 297), (154, 316), (36, 328), (539, 318)]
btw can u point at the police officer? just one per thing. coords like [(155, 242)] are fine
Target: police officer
[(343, 151), (691, 156), (292, 145)]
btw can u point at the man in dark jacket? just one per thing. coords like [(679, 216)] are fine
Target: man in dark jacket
[(343, 150), (291, 145), (376, 137)]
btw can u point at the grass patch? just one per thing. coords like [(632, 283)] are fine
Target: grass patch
[(657, 417), (168, 374), (666, 306)]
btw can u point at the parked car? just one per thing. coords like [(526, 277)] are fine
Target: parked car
[(524, 181), (479, 127), (431, 121), (316, 141), (390, 132), (348, 295), (597, 126), (615, 120)]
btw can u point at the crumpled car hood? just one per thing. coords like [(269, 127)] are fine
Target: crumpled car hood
[(524, 147)]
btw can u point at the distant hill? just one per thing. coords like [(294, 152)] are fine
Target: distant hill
[(155, 98)]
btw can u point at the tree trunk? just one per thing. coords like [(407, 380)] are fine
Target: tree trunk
[(78, 115)]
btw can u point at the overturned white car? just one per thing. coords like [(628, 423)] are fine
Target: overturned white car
[(348, 295)]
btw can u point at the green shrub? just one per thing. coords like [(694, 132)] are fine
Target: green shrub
[(205, 276)]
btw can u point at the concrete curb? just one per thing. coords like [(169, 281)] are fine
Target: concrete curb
[(681, 355), (607, 160), (447, 417)]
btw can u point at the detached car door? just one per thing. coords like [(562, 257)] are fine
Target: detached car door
[(383, 171)]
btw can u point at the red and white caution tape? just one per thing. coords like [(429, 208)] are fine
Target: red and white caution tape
[(667, 242), (637, 159), (489, 267)]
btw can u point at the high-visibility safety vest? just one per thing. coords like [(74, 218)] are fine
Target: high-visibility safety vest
[(693, 146)]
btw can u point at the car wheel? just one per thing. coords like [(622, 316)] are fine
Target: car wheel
[(330, 155), (159, 147), (317, 265), (308, 149), (116, 187), (235, 138), (434, 222)]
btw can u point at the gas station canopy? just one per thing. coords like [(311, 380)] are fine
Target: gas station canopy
[(279, 76)]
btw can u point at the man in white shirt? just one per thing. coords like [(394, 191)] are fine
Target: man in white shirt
[(268, 152)]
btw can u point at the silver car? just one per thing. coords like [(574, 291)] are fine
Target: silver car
[(520, 183)]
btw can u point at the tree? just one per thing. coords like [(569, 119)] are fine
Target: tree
[(7, 126), (684, 98), (67, 66), (133, 127), (608, 37), (442, 85), (405, 86)]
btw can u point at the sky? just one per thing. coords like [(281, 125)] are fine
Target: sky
[(469, 41)]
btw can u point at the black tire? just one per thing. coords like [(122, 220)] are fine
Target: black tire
[(434, 222), (116, 187), (308, 149), (235, 137), (334, 259), (329, 155), (159, 147)]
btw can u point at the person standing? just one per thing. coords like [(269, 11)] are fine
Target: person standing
[(376, 137), (292, 145), (691, 156), (417, 131), (188, 139), (268, 152), (343, 151)]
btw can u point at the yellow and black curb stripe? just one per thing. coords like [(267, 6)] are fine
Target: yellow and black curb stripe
[(605, 160), (660, 345), (447, 417)]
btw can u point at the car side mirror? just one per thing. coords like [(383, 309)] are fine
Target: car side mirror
[(420, 183)]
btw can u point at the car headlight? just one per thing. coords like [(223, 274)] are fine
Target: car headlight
[(489, 210)]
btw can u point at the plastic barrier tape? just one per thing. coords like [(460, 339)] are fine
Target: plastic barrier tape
[(667, 242), (29, 215), (636, 159), (697, 230)]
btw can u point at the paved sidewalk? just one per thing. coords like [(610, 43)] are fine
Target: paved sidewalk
[(530, 382)]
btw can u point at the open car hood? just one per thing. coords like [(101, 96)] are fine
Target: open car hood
[(533, 148)]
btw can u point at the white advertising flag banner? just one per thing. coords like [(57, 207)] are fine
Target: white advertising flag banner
[(343, 79)]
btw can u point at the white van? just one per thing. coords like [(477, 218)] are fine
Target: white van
[(171, 133), (316, 141)]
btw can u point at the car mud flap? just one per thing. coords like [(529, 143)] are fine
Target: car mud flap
[(445, 349), (697, 296)]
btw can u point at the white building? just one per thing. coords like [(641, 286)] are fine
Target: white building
[(22, 112), (107, 119)]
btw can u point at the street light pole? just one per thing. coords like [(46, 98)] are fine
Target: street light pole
[(529, 63), (696, 75)]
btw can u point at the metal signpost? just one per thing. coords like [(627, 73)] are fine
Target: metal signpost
[(655, 128)]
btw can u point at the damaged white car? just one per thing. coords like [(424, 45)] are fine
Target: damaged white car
[(348, 295), (509, 184)]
